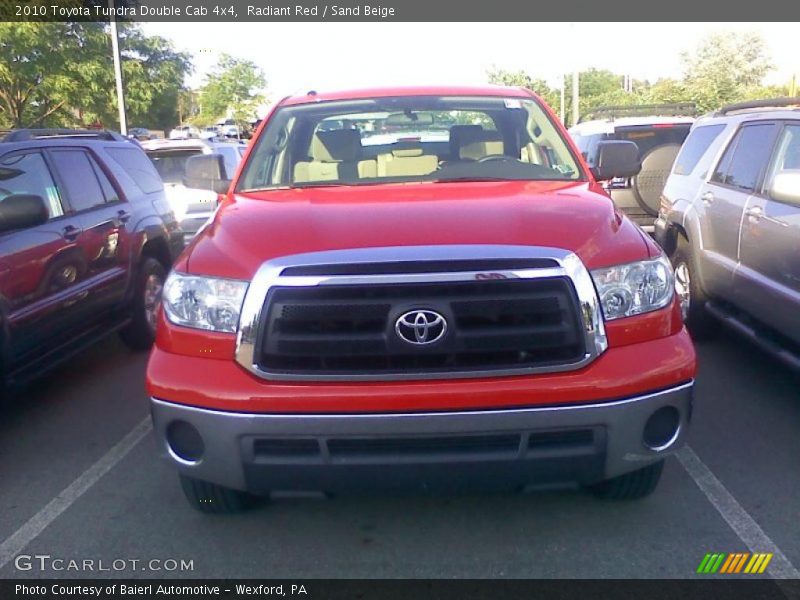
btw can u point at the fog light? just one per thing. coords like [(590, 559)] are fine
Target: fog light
[(662, 428), (185, 441)]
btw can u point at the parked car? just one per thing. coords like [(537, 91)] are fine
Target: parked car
[(140, 133), (466, 311), (229, 128), (184, 132), (208, 133), (86, 240), (192, 206), (730, 219), (658, 130)]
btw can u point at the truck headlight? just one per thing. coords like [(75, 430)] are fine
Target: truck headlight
[(203, 302), (634, 288)]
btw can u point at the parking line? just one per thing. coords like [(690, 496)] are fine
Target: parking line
[(737, 517), (15, 543)]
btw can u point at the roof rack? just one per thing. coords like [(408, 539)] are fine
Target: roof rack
[(755, 104), (24, 135), (677, 109)]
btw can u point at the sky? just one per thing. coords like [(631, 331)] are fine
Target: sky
[(298, 57)]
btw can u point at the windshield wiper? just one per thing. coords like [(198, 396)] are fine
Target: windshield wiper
[(472, 178)]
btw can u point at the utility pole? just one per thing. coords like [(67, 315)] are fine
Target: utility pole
[(123, 122), (575, 98)]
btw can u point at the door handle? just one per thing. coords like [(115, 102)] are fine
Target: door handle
[(123, 216), (754, 213), (71, 233), (707, 198)]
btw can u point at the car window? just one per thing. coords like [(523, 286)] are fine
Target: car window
[(746, 157), (231, 158), (136, 164), (787, 153), (79, 178), (695, 146), (28, 174), (171, 163), (409, 139), (648, 137)]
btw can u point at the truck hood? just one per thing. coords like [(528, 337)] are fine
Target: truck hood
[(252, 227)]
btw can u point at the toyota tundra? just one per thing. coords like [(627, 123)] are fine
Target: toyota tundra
[(421, 287)]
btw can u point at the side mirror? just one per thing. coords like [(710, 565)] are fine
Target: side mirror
[(616, 159), (206, 172), (22, 211), (785, 187)]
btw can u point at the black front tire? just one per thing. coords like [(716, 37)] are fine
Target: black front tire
[(140, 333), (701, 323), (630, 486), (211, 498)]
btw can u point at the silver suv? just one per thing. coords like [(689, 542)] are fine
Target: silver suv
[(192, 206), (730, 220), (658, 130)]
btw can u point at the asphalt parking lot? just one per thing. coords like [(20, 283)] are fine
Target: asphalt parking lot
[(80, 479)]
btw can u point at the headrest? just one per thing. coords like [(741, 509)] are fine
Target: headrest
[(407, 152), (336, 145), (474, 145), (457, 132)]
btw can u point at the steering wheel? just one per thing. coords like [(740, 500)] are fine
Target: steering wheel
[(494, 157)]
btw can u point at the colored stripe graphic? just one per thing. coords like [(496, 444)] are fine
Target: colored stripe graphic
[(738, 562)]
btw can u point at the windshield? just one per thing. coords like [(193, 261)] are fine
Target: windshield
[(171, 164), (408, 139)]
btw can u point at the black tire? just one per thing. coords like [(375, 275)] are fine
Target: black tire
[(631, 486), (211, 498), (140, 333), (701, 324)]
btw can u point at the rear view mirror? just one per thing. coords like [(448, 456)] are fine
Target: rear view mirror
[(409, 119), (206, 172), (616, 159), (22, 211), (785, 186)]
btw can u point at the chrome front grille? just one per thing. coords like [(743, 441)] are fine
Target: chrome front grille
[(332, 315)]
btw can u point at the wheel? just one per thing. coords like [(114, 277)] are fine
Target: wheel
[(690, 294), (631, 486), (140, 333), (214, 499)]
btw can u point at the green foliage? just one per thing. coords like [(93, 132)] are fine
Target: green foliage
[(61, 74), (233, 89), (724, 68)]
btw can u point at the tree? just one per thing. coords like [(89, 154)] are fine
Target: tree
[(520, 78), (56, 74), (234, 89), (724, 68), (36, 63)]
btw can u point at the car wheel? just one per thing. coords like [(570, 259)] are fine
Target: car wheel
[(630, 486), (690, 295), (211, 498), (140, 333)]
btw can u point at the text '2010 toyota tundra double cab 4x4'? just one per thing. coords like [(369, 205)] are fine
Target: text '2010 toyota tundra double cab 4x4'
[(419, 287)]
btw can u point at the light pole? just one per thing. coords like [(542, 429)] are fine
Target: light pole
[(123, 122)]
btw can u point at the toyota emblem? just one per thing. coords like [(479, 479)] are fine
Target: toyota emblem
[(420, 327)]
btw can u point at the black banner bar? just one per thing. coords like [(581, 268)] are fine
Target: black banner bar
[(607, 11), (733, 588)]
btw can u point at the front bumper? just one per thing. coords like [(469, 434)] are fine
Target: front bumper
[(582, 443)]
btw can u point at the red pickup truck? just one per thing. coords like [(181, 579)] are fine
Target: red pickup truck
[(418, 287)]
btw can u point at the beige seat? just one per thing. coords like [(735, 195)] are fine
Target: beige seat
[(406, 162), (477, 144), (335, 156)]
